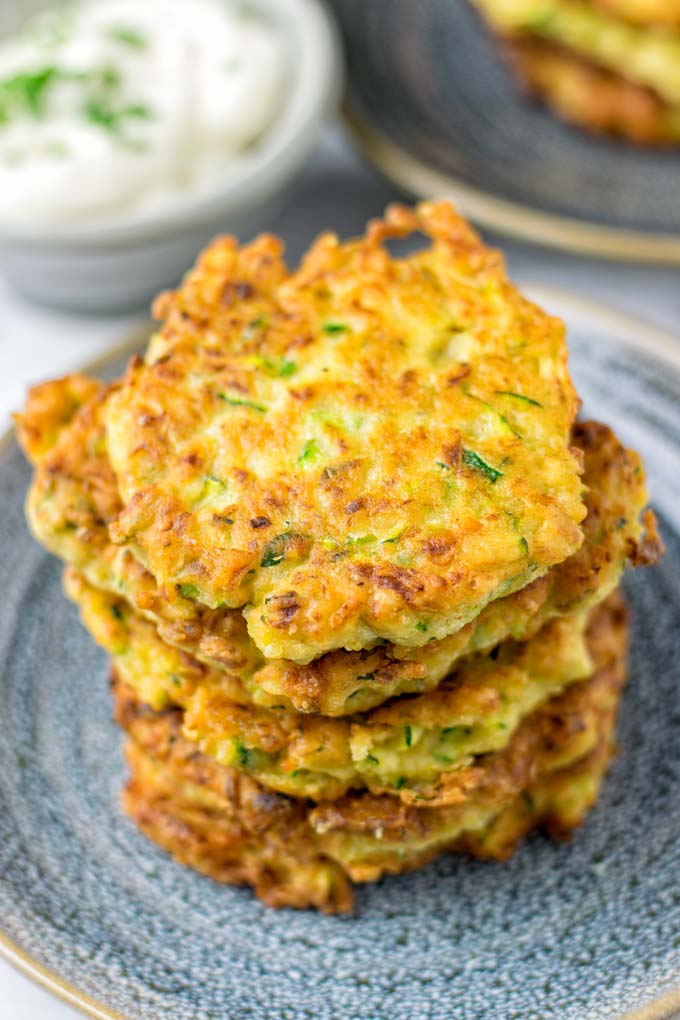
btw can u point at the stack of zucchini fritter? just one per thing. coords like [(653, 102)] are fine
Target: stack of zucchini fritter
[(353, 560), (611, 66)]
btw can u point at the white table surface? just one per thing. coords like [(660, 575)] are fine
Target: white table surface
[(338, 191)]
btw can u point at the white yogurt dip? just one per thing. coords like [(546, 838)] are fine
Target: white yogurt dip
[(118, 108)]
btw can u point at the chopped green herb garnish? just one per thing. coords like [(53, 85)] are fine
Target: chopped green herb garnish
[(401, 781), (494, 410), (27, 91), (465, 730), (212, 482), (129, 36), (523, 544), (99, 113), (441, 464), (105, 116), (275, 550), (444, 759), (390, 541), (366, 676), (246, 755), (473, 460), (373, 760), (115, 611), (407, 735), (271, 559), (519, 396), (360, 539), (310, 452), (188, 591), (109, 77), (422, 627), (334, 327), (238, 402), (287, 368), (502, 726)]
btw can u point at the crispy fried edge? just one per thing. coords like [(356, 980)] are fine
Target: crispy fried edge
[(162, 532), (278, 821), (218, 637)]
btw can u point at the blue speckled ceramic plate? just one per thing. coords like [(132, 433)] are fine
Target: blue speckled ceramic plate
[(588, 931), (438, 111)]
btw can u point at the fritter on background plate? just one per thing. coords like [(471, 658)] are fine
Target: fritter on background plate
[(611, 66), (593, 98)]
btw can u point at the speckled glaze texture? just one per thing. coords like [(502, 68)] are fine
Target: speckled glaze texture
[(431, 78), (587, 931)]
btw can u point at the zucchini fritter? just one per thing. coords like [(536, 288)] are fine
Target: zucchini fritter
[(50, 409), (74, 496), (612, 66), (296, 854), (643, 56), (353, 561), (367, 448), (593, 98), (419, 747)]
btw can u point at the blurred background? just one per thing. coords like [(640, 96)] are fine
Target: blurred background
[(132, 132)]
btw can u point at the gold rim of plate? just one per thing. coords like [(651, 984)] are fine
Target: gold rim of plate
[(513, 219), (635, 333)]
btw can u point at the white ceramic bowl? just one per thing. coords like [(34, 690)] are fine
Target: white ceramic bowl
[(118, 266)]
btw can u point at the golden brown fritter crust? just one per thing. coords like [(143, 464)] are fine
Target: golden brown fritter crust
[(295, 854), (366, 832), (50, 408), (280, 863), (406, 746), (74, 496), (596, 99), (362, 449)]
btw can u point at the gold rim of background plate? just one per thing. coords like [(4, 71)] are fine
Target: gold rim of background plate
[(638, 334), (503, 216)]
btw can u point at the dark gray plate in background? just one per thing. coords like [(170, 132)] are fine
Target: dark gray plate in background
[(587, 931), (436, 109)]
